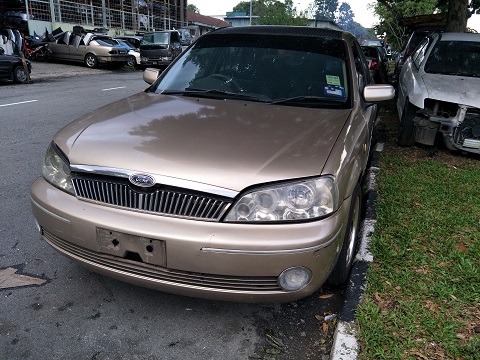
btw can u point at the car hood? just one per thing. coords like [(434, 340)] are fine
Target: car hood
[(229, 144), (455, 89)]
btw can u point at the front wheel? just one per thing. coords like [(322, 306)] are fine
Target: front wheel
[(407, 127), (132, 61), (344, 263), (91, 61), (19, 74)]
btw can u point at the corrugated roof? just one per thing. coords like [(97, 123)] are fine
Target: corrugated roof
[(207, 20)]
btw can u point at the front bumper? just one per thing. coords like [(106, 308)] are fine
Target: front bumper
[(155, 62), (234, 262)]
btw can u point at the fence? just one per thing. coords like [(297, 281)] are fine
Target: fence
[(118, 16)]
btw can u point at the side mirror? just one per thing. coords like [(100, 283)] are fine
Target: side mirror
[(150, 75), (378, 92)]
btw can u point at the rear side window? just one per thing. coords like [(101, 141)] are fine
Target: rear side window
[(419, 54)]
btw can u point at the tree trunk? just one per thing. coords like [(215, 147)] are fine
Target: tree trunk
[(457, 16)]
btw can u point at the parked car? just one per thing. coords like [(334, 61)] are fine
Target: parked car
[(132, 39), (377, 63), (133, 52), (11, 67), (437, 92), (159, 48), (372, 42), (235, 176), (415, 38), (89, 48)]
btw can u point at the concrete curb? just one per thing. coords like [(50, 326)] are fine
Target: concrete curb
[(345, 344)]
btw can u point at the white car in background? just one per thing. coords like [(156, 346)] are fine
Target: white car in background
[(439, 91)]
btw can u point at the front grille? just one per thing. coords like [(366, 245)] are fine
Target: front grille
[(165, 201), (156, 273)]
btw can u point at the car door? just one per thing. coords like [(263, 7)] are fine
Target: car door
[(368, 113), (77, 48), (408, 83), (5, 66), (59, 48)]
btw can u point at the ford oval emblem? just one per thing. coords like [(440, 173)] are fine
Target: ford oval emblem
[(143, 180)]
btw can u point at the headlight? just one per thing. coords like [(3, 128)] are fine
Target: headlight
[(56, 170), (300, 200)]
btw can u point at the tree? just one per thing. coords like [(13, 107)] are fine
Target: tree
[(244, 6), (458, 13), (193, 8), (345, 16), (391, 11), (325, 9), (273, 12)]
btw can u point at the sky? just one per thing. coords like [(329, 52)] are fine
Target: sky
[(363, 15)]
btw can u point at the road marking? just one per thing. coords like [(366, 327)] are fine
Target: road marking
[(8, 279), (19, 103), (115, 88)]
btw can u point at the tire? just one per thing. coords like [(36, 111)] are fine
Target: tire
[(132, 62), (342, 268), (407, 127), (19, 74), (91, 61)]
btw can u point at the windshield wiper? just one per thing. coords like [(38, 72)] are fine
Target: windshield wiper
[(314, 100), (214, 93)]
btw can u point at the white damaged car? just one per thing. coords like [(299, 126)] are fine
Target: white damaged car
[(439, 91)]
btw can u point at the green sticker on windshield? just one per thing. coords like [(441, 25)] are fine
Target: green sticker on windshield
[(333, 80)]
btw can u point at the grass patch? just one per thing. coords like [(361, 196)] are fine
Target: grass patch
[(423, 294)]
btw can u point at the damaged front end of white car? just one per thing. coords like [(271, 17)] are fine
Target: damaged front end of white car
[(459, 125), (439, 92)]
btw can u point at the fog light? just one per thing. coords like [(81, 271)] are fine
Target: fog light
[(294, 279)]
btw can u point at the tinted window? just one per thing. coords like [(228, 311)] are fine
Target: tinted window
[(369, 51), (454, 58), (268, 67)]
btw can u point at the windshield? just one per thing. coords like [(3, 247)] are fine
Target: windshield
[(454, 58), (268, 68), (155, 38)]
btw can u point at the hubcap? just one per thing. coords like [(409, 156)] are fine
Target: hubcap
[(21, 76)]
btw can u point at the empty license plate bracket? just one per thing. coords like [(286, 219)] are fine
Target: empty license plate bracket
[(150, 251)]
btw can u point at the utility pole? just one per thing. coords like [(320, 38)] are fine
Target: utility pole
[(251, 6)]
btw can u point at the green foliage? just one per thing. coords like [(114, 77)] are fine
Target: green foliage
[(273, 12), (346, 22), (422, 296), (244, 6), (193, 8), (278, 13), (325, 9), (391, 11)]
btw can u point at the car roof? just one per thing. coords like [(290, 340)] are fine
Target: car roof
[(282, 30), (459, 36)]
